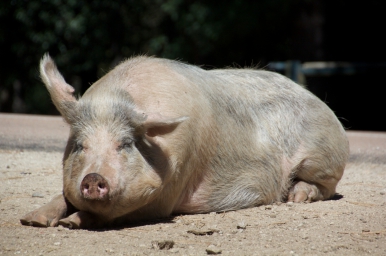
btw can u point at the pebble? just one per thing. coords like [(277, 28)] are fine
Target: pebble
[(37, 194), (241, 225), (203, 232), (162, 245), (212, 249)]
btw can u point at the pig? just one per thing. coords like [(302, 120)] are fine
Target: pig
[(156, 137)]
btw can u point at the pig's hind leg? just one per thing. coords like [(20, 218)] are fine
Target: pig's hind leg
[(313, 181), (49, 214)]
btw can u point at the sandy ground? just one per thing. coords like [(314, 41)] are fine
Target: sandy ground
[(354, 223)]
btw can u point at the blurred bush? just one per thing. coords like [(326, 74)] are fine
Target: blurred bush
[(88, 38)]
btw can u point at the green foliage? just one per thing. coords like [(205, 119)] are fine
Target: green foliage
[(87, 38)]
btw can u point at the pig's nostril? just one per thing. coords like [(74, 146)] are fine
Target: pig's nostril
[(94, 187)]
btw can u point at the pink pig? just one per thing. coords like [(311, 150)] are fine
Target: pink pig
[(156, 137)]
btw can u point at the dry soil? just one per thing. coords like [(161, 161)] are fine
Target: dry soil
[(353, 223)]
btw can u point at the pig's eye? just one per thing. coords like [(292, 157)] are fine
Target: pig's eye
[(78, 146), (127, 145)]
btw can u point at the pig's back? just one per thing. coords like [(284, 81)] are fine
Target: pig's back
[(278, 109)]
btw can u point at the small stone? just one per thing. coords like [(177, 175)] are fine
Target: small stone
[(268, 207), (241, 225), (162, 245), (57, 243), (37, 194), (382, 192), (212, 249), (203, 232), (173, 250)]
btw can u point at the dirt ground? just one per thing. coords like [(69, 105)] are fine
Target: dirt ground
[(353, 223)]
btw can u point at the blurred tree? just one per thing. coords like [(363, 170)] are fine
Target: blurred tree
[(87, 38)]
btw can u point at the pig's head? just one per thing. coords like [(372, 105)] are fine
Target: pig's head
[(113, 164)]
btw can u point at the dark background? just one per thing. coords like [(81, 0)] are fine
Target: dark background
[(88, 38)]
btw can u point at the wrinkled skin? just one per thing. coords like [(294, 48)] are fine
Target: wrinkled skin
[(156, 137)]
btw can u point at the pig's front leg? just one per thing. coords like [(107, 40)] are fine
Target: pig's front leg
[(49, 214), (81, 220)]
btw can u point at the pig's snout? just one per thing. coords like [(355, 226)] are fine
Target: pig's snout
[(94, 187)]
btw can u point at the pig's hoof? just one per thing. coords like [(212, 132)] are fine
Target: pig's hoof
[(36, 220), (304, 192), (40, 221), (78, 220), (47, 215), (67, 223)]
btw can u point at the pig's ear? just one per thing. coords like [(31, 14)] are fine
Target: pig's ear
[(156, 124), (61, 92)]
